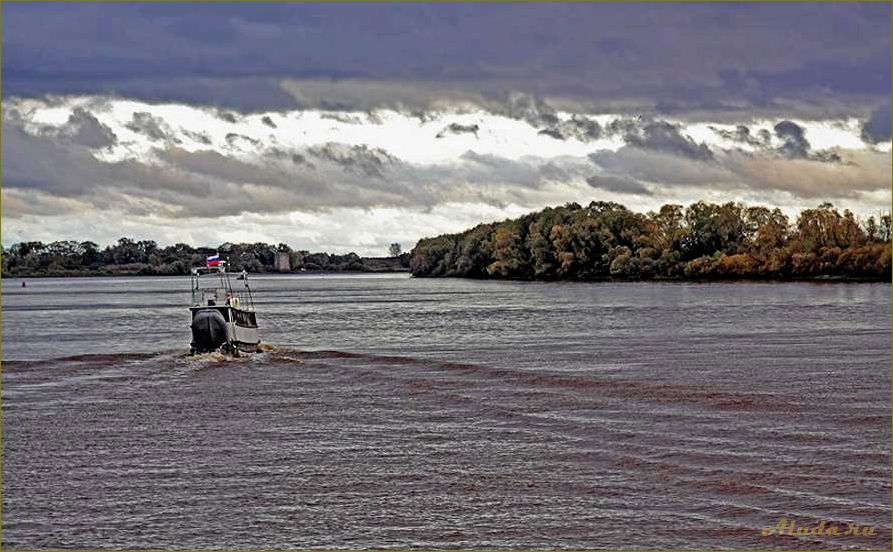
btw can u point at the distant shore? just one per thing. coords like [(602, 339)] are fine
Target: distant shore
[(380, 267), (141, 274), (130, 257), (702, 280)]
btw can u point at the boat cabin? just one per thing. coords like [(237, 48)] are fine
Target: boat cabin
[(223, 317)]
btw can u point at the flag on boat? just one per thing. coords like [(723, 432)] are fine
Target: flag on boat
[(214, 260)]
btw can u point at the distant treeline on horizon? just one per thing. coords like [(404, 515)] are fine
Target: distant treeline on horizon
[(703, 241), (129, 257)]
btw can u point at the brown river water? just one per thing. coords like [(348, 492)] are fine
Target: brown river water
[(391, 412)]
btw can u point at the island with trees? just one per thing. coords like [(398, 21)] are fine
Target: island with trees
[(129, 257), (704, 241)]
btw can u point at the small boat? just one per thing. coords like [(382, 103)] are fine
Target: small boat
[(223, 319)]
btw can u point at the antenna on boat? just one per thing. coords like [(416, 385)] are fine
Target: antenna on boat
[(244, 277)]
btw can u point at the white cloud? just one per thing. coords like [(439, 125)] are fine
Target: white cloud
[(343, 181)]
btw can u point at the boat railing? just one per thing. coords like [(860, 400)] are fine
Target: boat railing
[(210, 297)]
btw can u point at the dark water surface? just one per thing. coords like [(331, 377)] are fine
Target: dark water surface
[(398, 412)]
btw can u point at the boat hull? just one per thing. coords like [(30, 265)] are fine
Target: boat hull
[(223, 327)]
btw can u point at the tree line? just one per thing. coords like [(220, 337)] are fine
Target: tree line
[(144, 257), (703, 241)]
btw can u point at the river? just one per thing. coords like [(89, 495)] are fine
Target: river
[(394, 412)]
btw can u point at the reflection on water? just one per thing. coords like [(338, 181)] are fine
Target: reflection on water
[(395, 412)]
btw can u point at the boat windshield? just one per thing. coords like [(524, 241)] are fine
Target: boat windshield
[(211, 286)]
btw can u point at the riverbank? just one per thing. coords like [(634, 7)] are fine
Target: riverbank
[(129, 257), (376, 269), (703, 242)]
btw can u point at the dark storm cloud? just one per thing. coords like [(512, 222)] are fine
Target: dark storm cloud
[(650, 165), (877, 127), (484, 167), (620, 184), (584, 129), (86, 130), (295, 157), (456, 128), (553, 133), (795, 145), (664, 136), (541, 114), (360, 159), (299, 159), (624, 126), (683, 57), (149, 125), (858, 171), (532, 109), (200, 137), (744, 135), (577, 127), (228, 116), (233, 137), (25, 166), (827, 156), (346, 118)]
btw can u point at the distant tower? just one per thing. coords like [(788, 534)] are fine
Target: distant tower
[(283, 263)]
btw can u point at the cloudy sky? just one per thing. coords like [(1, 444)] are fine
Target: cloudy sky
[(348, 127)]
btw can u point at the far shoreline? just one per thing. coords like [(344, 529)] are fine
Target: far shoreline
[(144, 275), (831, 279)]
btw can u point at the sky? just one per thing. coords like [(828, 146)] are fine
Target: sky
[(348, 127)]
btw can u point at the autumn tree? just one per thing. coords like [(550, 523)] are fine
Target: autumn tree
[(705, 240)]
